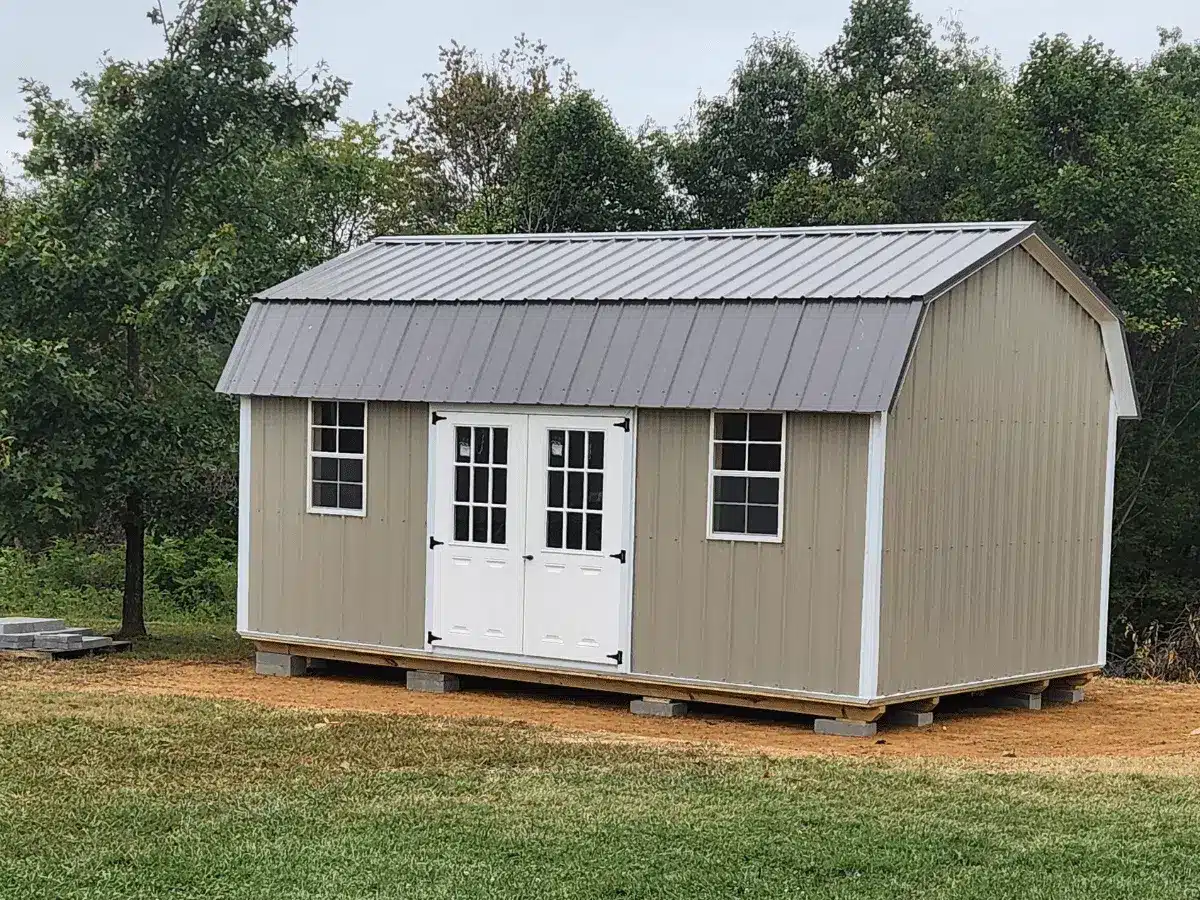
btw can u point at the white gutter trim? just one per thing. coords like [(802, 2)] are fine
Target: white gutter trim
[(243, 563), (1106, 544), (868, 649)]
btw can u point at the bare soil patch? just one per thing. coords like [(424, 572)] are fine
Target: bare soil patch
[(1122, 725)]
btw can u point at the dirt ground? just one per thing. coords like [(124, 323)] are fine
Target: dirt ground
[(1121, 725)]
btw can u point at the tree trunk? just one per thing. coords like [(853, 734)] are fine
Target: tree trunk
[(133, 612)]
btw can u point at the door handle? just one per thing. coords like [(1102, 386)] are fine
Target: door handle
[(528, 556)]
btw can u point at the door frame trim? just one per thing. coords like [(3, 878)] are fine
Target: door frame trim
[(624, 601)]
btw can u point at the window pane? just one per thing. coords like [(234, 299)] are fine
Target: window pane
[(462, 444), (554, 490), (595, 490), (462, 517), (352, 414), (575, 490), (763, 520), (554, 529), (731, 426), (575, 449), (592, 531), (324, 412), (574, 531), (764, 458), (325, 469), (557, 449), (350, 470), (730, 457), (350, 496), (729, 518), (729, 490), (499, 530), (479, 524), (500, 486), (481, 484), (350, 440), (462, 483), (766, 427), (482, 444), (764, 490), (324, 439), (500, 445), (324, 495), (595, 450)]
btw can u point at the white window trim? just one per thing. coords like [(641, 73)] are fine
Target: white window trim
[(325, 454), (781, 475)]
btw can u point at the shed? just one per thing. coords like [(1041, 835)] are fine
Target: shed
[(828, 470)]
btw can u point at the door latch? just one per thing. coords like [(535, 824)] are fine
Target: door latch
[(528, 556), (618, 656), (619, 556)]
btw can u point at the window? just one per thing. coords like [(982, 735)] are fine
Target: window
[(481, 485), (574, 489), (746, 481), (337, 457)]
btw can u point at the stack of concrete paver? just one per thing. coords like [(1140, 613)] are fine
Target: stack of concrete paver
[(24, 633)]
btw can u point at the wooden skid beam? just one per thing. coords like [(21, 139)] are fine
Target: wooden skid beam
[(618, 684)]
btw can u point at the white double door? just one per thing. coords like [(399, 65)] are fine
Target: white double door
[(530, 519)]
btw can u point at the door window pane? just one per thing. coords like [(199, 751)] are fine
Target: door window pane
[(593, 531), (574, 531), (481, 484), (554, 529)]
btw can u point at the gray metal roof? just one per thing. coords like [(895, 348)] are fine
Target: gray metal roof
[(791, 319), (880, 262), (818, 356)]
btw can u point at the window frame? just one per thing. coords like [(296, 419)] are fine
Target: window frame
[(326, 454), (710, 533)]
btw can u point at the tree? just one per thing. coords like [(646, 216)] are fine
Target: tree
[(128, 260)]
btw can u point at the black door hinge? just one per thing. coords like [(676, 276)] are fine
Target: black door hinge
[(434, 542), (619, 556), (623, 424), (618, 656), (431, 637), (435, 418)]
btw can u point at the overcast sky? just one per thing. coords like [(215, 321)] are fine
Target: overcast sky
[(648, 58)]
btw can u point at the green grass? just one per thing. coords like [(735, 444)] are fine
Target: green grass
[(121, 797)]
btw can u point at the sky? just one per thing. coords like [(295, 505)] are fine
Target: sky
[(649, 59)]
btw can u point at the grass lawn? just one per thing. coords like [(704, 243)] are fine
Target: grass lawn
[(118, 797)]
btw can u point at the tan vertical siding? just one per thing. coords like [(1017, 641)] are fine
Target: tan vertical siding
[(994, 486), (775, 615), (344, 578)]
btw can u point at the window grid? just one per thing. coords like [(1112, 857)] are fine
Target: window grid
[(337, 457), (746, 476), (574, 490), (481, 485)]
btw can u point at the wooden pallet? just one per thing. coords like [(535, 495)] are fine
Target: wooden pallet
[(34, 653)]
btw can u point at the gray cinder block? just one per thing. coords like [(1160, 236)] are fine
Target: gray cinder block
[(282, 664), (845, 728), (431, 682), (658, 706), (1016, 700), (28, 624), (914, 717), (1063, 695), (92, 641), (54, 641), (16, 641)]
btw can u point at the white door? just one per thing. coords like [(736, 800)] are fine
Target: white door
[(478, 466), (575, 528)]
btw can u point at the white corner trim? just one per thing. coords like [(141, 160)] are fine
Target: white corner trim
[(243, 563), (868, 650), (1106, 541)]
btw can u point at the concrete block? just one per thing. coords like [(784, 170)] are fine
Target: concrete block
[(54, 641), (845, 728), (284, 665), (1063, 695), (1016, 700), (913, 717), (83, 632), (16, 641), (658, 706), (28, 624), (92, 641), (431, 682)]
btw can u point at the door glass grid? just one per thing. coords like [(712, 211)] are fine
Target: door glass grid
[(481, 485), (574, 489)]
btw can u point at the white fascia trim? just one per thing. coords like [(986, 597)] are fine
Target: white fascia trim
[(1106, 543), (243, 569), (868, 649)]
